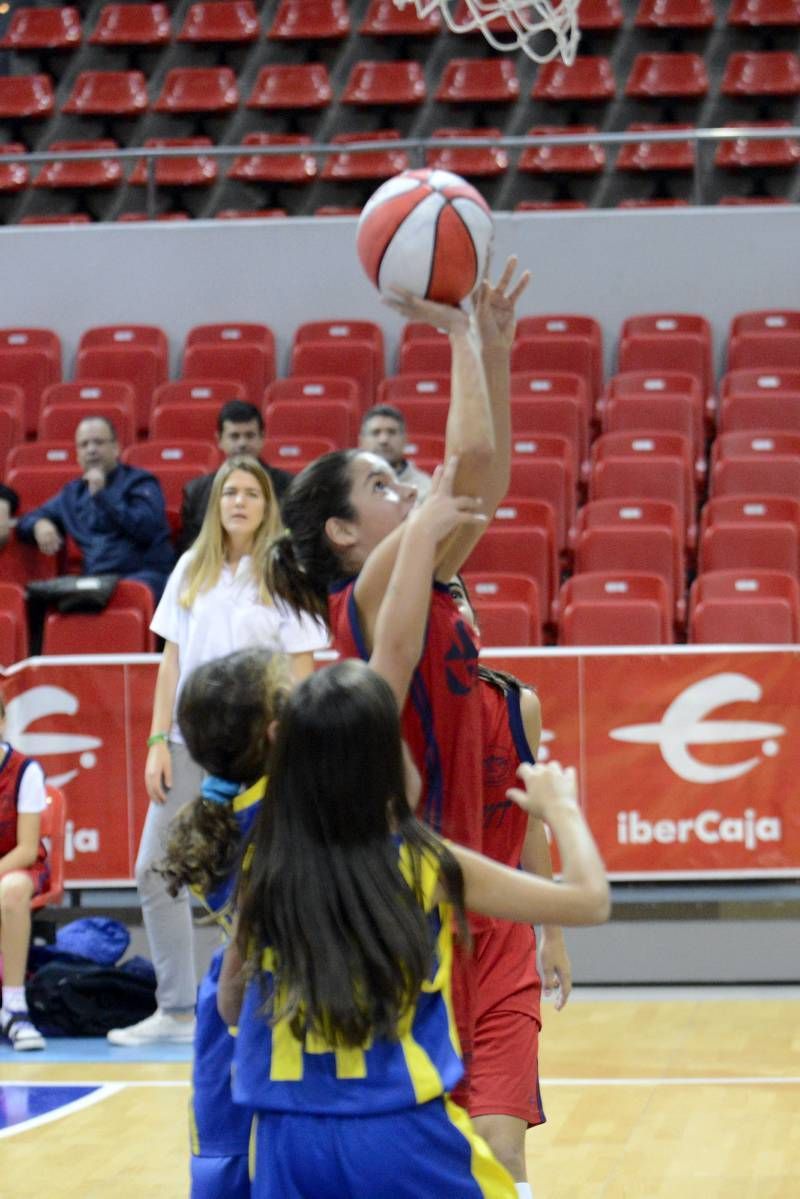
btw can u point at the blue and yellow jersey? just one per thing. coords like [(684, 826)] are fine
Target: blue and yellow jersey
[(274, 1071), (219, 902)]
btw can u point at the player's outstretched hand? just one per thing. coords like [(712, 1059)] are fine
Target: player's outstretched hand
[(446, 317), (496, 306), (547, 788), (441, 511)]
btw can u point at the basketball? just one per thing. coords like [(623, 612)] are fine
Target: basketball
[(427, 232)]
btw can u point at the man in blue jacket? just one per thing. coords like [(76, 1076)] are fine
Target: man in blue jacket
[(115, 513)]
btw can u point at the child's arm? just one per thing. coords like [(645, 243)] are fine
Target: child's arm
[(399, 634), (582, 897), (230, 989), (26, 849)]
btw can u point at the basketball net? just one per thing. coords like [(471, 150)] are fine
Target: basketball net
[(513, 24)]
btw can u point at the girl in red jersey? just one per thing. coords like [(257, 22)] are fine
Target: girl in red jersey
[(343, 515), (504, 1099), (24, 872)]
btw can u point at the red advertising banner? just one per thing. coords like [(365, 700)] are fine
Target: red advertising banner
[(684, 756)]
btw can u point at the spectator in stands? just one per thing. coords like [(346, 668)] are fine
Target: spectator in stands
[(9, 502), (240, 430), (383, 431), (115, 513)]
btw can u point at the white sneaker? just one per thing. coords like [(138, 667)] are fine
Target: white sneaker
[(158, 1027), (22, 1032)]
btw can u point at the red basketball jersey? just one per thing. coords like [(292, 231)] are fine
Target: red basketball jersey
[(12, 768), (505, 746), (441, 719)]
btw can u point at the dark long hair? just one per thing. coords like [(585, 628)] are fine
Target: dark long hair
[(325, 890), (224, 710), (302, 562)]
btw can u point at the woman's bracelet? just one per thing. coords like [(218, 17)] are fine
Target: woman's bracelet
[(154, 739)]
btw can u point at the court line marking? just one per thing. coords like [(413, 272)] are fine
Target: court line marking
[(104, 1091), (701, 1081)]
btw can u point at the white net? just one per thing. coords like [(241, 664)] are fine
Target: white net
[(540, 29)]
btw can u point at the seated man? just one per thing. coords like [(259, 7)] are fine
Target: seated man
[(9, 502), (114, 513), (240, 430), (383, 431)]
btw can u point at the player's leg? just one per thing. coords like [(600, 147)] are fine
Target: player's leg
[(16, 891)]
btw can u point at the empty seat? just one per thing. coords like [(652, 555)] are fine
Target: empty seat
[(584, 158), (630, 514), (90, 392), (741, 545), (589, 79), (13, 623), (108, 94), (497, 597), (291, 86), (14, 176), (293, 453), (765, 413), (140, 365), (176, 420), (153, 454), (243, 333), (754, 14), (29, 359), (645, 466), (478, 81), (666, 341), (208, 391), (667, 76), (310, 21), (94, 632), (601, 16), (336, 420), (150, 336), (554, 385), (756, 382), (200, 171), (771, 73), (43, 453), (753, 464), (243, 362), (425, 356), (751, 510), (551, 351), (383, 18), (747, 153), (614, 608), (10, 433), (348, 164), (58, 422), (662, 414), (249, 214), (173, 477), (224, 21), (744, 607), (87, 174), (398, 83), (313, 387), (675, 14), (416, 395), (26, 97), (524, 550), (663, 385), (766, 320), (534, 414), (57, 28), (340, 332), (198, 90), (637, 549), (275, 168), (36, 484), (487, 162), (426, 450), (776, 348), (542, 468), (353, 359), (132, 25), (568, 326), (12, 400), (656, 155)]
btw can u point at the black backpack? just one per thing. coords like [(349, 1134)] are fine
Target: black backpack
[(81, 999)]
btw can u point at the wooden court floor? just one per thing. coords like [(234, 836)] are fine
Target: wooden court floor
[(647, 1098)]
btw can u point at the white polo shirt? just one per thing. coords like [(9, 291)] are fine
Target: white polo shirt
[(228, 617)]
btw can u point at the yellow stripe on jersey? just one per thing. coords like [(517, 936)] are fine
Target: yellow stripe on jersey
[(194, 1138), (494, 1180), (251, 796)]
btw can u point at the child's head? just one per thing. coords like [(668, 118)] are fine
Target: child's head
[(225, 713), (336, 511)]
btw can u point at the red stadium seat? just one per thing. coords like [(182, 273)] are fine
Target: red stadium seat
[(656, 466), (395, 84), (666, 341), (131, 217), (148, 336), (198, 90), (426, 450), (108, 94), (776, 348), (339, 332), (667, 76), (637, 549), (524, 550), (336, 420), (92, 173), (755, 382), (12, 400), (10, 433), (13, 623), (569, 326), (26, 97), (763, 413), (634, 514), (755, 14), (346, 165), (425, 356), (57, 28), (14, 176), (478, 81), (140, 365), (94, 632), (590, 79), (353, 359), (175, 420), (658, 414), (675, 14), (752, 510), (223, 22), (244, 333), (207, 391), (30, 359), (298, 389), (310, 21), (614, 608), (275, 168), (121, 25), (580, 159), (549, 205), (250, 214), (770, 73), (768, 320), (507, 622), (290, 86), (554, 385), (542, 468), (477, 162), (562, 416), (491, 594), (90, 392), (664, 385), (654, 202), (293, 453), (176, 172), (752, 464), (173, 477), (656, 155), (746, 607), (240, 361), (754, 545), (43, 453), (151, 455), (35, 484), (20, 563), (384, 19), (554, 352), (601, 16), (58, 422), (745, 153)]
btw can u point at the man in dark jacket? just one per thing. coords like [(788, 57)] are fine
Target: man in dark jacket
[(114, 513), (240, 430)]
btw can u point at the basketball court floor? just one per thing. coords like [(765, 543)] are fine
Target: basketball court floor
[(650, 1093)]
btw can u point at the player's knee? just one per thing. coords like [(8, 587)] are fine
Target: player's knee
[(506, 1139), (16, 891)]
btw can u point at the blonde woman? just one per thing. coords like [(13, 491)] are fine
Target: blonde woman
[(215, 602)]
